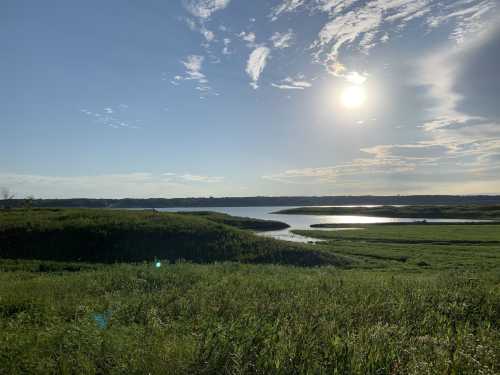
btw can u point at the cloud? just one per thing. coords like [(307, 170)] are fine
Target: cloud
[(199, 26), (284, 7), (256, 64), (356, 78), (362, 25), (358, 167), (133, 185), (282, 40), (205, 8), (193, 65), (111, 117), (458, 146), (290, 83), (198, 178), (248, 37), (467, 15), (451, 124), (225, 50)]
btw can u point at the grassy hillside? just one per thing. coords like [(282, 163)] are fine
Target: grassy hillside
[(130, 236), (485, 212)]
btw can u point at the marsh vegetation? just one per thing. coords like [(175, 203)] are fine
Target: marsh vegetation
[(483, 212), (421, 299)]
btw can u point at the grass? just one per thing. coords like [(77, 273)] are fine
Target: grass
[(233, 318), (429, 306), (482, 212), (459, 248), (108, 236), (239, 222)]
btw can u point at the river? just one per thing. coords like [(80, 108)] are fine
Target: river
[(305, 221)]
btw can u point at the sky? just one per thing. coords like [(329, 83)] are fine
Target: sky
[(196, 98)]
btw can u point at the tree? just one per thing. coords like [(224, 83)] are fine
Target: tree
[(28, 201), (7, 196)]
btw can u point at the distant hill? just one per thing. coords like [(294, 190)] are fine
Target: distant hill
[(261, 201)]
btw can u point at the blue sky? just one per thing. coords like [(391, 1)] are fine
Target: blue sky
[(236, 98)]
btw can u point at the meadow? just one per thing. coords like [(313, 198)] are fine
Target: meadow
[(419, 299)]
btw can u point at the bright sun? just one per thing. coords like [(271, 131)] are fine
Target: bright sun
[(353, 97)]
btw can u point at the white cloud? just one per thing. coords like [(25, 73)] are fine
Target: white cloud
[(290, 83), (248, 37), (205, 8), (209, 35), (110, 117), (198, 178), (286, 6), (282, 40), (362, 25), (133, 185), (193, 65), (467, 15), (256, 64), (199, 26), (358, 167), (356, 78)]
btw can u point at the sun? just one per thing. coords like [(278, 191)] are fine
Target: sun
[(353, 97)]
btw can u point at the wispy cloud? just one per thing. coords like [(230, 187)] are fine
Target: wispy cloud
[(282, 40), (358, 167), (193, 65), (112, 117), (133, 185), (248, 37), (361, 25), (198, 178), (256, 64), (205, 8), (284, 7), (290, 83)]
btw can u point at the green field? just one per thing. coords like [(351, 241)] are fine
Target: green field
[(482, 212), (413, 299)]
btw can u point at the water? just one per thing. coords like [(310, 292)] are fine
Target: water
[(305, 221)]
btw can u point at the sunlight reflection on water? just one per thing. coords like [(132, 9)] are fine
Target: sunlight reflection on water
[(305, 221)]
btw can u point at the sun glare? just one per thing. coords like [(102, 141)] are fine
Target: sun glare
[(353, 97)]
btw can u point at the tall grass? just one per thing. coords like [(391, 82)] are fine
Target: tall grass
[(232, 318), (131, 236)]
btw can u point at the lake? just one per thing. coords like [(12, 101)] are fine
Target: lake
[(305, 221)]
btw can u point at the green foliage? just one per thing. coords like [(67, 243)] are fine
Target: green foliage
[(416, 299), (232, 318), (411, 247), (132, 236), (488, 212), (239, 222)]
